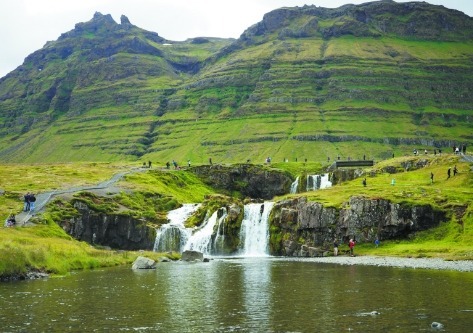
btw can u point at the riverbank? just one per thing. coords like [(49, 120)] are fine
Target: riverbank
[(416, 263)]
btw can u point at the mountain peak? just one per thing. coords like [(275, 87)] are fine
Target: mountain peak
[(124, 20)]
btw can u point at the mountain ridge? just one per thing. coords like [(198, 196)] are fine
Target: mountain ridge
[(380, 77)]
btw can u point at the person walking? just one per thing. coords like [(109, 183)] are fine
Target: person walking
[(449, 171)]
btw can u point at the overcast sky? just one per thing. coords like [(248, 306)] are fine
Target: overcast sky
[(26, 25)]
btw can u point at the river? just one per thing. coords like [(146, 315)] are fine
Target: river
[(241, 295)]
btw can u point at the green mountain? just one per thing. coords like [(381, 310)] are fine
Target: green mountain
[(305, 82)]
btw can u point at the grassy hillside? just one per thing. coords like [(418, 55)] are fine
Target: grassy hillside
[(47, 247), (307, 82)]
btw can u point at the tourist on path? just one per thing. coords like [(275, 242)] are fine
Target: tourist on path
[(26, 199), (335, 248), (32, 202)]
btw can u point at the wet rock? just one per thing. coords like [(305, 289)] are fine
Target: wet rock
[(436, 325), (192, 256), (144, 263)]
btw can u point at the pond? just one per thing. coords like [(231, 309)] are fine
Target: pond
[(242, 295)]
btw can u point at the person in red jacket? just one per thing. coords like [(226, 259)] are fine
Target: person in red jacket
[(351, 245)]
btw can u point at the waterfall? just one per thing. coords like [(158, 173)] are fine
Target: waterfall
[(254, 232), (201, 240), (294, 186), (173, 236), (315, 182)]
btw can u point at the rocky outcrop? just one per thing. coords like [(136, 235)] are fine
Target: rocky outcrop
[(303, 228), (250, 180), (143, 263), (375, 18), (113, 230), (192, 256)]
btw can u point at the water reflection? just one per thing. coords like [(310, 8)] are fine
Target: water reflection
[(241, 295)]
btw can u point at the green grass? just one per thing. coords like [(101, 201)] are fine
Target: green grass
[(48, 248)]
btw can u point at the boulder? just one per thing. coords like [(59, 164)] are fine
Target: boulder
[(144, 263), (192, 256)]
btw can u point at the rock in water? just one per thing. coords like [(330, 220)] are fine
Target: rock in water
[(436, 325), (144, 263), (192, 256)]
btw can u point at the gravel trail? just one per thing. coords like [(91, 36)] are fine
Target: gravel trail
[(423, 263)]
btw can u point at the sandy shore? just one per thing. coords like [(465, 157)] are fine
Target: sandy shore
[(426, 263)]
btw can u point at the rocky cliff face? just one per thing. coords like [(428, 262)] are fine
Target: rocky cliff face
[(113, 230), (250, 180), (412, 19), (300, 227)]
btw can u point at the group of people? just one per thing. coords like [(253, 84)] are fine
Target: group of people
[(29, 202), (458, 150), (449, 172)]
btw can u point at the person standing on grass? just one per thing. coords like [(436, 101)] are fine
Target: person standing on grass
[(449, 171), (376, 242), (431, 178), (455, 170), (351, 245)]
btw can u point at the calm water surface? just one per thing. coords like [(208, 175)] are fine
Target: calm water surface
[(241, 295)]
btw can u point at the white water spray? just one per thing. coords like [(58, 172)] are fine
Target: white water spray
[(254, 232), (316, 182), (201, 240), (174, 235), (294, 186)]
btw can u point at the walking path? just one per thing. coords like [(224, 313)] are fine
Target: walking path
[(43, 198)]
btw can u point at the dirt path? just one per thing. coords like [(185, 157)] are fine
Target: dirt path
[(44, 198), (467, 158)]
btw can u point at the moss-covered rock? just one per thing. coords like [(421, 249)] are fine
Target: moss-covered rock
[(246, 179)]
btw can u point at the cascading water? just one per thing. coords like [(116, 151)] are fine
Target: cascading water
[(294, 186), (315, 182), (173, 236), (201, 240), (254, 232)]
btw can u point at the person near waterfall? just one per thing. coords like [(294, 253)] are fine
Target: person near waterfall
[(335, 248), (351, 245)]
